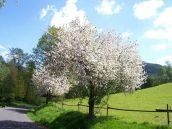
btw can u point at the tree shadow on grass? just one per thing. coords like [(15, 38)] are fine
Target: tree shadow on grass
[(78, 120), (73, 120)]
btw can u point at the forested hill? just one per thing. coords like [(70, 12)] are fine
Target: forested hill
[(152, 69), (157, 74)]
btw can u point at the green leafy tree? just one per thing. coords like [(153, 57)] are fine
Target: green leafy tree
[(18, 57), (7, 89), (6, 83), (31, 95), (45, 44), (4, 71), (17, 62), (20, 88)]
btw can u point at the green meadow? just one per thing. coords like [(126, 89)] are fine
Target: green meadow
[(146, 99)]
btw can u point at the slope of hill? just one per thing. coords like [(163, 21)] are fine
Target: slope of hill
[(152, 69), (146, 99)]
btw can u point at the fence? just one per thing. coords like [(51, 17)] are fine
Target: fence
[(167, 110)]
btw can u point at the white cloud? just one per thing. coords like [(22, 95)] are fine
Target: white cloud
[(44, 11), (159, 34), (2, 47), (147, 8), (68, 13), (162, 26), (152, 34), (108, 7), (164, 59), (164, 19), (159, 47), (126, 34)]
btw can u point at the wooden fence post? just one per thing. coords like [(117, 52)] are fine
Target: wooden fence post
[(168, 118), (62, 105), (107, 110)]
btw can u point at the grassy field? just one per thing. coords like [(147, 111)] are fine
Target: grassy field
[(147, 99), (54, 117)]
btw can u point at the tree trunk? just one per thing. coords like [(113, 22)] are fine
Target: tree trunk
[(47, 98), (91, 96), (91, 101), (46, 101)]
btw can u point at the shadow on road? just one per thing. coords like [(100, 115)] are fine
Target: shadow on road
[(18, 125)]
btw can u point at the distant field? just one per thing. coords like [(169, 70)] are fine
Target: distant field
[(146, 99)]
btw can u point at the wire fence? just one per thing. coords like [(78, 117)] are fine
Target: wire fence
[(107, 108)]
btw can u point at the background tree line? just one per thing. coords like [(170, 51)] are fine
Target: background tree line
[(15, 77), (16, 71)]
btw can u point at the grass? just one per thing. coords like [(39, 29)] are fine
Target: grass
[(147, 99), (16, 104), (21, 104), (54, 117)]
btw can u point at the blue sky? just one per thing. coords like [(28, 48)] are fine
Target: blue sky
[(149, 22)]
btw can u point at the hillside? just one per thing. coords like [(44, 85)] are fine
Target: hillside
[(152, 69), (146, 99)]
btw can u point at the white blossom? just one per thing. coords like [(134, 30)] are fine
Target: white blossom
[(94, 56), (50, 84), (83, 55)]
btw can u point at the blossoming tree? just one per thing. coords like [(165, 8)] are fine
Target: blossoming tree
[(49, 85), (95, 58)]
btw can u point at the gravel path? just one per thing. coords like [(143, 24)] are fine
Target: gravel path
[(16, 118)]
